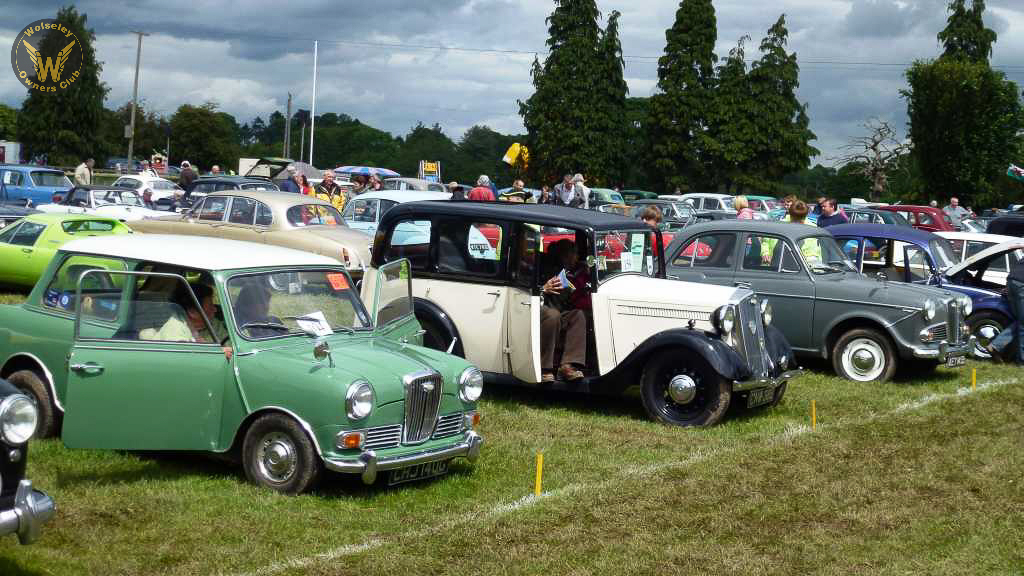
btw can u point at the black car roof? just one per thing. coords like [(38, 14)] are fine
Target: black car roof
[(542, 214)]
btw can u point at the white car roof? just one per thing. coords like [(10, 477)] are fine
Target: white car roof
[(705, 195), (976, 236), (402, 196), (145, 178), (199, 252), (1014, 244)]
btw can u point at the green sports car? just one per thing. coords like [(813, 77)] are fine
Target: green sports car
[(28, 245)]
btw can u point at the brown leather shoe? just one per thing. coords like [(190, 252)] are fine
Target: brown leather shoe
[(547, 377), (569, 373)]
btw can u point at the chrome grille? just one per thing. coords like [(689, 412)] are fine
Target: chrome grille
[(750, 340), (448, 425), (422, 400), (953, 322), (939, 332), (383, 437)]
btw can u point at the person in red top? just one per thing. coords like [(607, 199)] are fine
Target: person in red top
[(482, 192)]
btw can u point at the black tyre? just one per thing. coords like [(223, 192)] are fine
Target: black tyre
[(864, 355), (779, 393), (985, 325), (683, 390), (278, 454), (437, 337), (31, 384)]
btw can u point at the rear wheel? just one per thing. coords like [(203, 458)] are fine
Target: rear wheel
[(864, 355), (683, 390), (437, 337), (985, 326), (31, 384)]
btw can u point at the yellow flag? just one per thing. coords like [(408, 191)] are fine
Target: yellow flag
[(512, 154)]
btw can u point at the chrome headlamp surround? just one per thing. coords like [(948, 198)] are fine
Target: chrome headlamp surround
[(966, 304), (19, 418), (929, 309), (359, 400), (471, 384), (766, 311)]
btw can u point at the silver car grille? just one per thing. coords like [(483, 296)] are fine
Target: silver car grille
[(750, 338), (383, 437), (940, 332), (953, 322), (422, 400), (448, 425)]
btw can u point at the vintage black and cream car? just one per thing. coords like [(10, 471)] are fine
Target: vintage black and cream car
[(23, 510), (478, 272)]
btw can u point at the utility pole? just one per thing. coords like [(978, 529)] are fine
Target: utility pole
[(312, 114), (302, 140), (135, 99), (288, 130)]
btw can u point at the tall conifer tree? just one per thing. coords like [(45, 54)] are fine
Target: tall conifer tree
[(965, 36), (613, 94)]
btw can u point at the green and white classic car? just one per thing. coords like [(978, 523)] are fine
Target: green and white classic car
[(260, 352)]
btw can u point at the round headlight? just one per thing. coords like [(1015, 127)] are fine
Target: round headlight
[(359, 400), (766, 311), (929, 309), (967, 304), (471, 384), (18, 419)]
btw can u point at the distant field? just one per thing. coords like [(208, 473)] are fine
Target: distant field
[(908, 477)]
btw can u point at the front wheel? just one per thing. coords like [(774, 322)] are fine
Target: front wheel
[(864, 355), (985, 326), (684, 390), (279, 455)]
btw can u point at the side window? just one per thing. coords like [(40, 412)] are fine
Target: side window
[(8, 233), (410, 239), (526, 258), (762, 252), (242, 211), (469, 247), (16, 178), (385, 205), (80, 197), (27, 234), (958, 248), (918, 266), (203, 187), (225, 186), (925, 218), (213, 208), (789, 264), (102, 290), (995, 264), (364, 210), (849, 247), (264, 217), (708, 251)]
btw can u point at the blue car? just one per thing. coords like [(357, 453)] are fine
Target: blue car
[(902, 254), (38, 184)]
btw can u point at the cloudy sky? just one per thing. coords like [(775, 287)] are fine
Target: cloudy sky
[(380, 61)]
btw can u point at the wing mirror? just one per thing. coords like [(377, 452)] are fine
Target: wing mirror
[(321, 351)]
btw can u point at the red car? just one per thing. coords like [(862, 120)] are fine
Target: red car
[(922, 217)]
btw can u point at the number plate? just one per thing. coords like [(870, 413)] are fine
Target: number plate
[(417, 472), (760, 396), (954, 362)]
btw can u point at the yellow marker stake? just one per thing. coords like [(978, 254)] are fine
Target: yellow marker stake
[(540, 472), (814, 415), (974, 379)]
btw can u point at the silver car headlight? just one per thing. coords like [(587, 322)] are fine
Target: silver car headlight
[(18, 419), (929, 309), (359, 400), (471, 384), (967, 304), (766, 312)]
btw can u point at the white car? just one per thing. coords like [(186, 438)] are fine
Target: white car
[(164, 191), (968, 244), (692, 348), (704, 201), (402, 183), (121, 203), (364, 211)]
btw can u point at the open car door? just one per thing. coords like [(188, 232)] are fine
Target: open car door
[(389, 295), (524, 304), (137, 377)]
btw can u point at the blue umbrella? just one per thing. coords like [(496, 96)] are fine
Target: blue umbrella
[(366, 171)]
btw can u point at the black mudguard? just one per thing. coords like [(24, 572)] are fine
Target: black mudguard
[(778, 347), (426, 309)]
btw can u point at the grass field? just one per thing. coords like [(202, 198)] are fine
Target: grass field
[(909, 477)]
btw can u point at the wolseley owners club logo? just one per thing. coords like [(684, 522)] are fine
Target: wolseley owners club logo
[(46, 56)]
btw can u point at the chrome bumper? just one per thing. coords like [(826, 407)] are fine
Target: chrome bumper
[(32, 509), (368, 464), (945, 350), (775, 382)]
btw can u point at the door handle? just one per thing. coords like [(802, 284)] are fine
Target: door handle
[(26, 250), (522, 303), (417, 334), (494, 293), (742, 285), (88, 368)]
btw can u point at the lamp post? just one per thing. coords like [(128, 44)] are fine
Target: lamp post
[(135, 99)]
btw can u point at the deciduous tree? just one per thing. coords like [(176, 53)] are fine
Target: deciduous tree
[(204, 136)]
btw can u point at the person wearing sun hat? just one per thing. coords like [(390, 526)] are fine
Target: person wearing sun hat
[(582, 195)]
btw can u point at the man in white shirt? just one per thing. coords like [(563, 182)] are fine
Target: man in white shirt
[(83, 173)]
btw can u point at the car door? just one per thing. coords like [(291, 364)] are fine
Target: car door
[(14, 182), (770, 265), (389, 295), (710, 257), (363, 214), (128, 393), (210, 216), (522, 339), (24, 252), (238, 225)]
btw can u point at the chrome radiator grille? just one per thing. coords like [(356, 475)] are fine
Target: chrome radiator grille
[(383, 437), (749, 335), (448, 425), (422, 400), (953, 322)]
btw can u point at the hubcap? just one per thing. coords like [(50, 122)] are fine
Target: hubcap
[(277, 457), (863, 359), (682, 389), (985, 334)]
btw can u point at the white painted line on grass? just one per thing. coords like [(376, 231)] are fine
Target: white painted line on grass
[(791, 432)]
